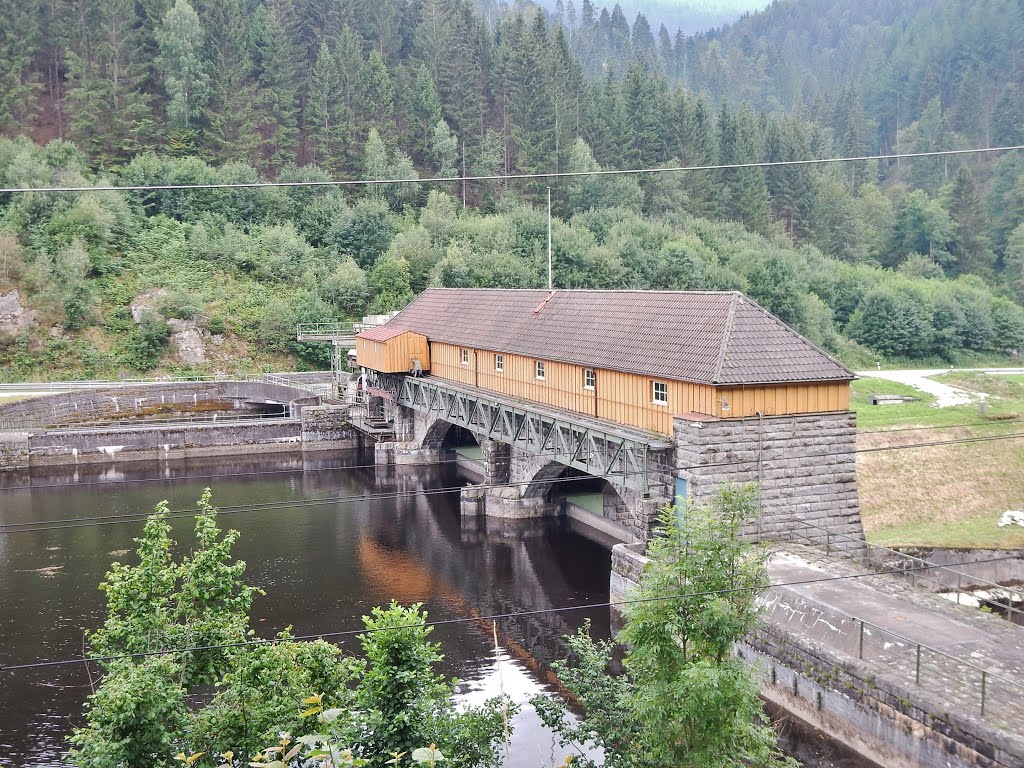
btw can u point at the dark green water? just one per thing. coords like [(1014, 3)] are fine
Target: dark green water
[(322, 565)]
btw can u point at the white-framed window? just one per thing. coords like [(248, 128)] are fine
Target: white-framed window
[(659, 393), (589, 378), (499, 363), (465, 357), (539, 365)]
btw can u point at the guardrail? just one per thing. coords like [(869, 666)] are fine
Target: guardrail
[(919, 569), (65, 418), (981, 686), (64, 386), (328, 331), (924, 662)]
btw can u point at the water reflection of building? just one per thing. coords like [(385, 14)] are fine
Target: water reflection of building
[(499, 568)]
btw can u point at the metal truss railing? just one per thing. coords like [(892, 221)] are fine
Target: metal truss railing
[(600, 450)]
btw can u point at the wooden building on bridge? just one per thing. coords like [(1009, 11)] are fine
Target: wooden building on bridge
[(660, 394), (636, 358)]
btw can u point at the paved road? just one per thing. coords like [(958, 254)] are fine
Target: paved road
[(944, 394)]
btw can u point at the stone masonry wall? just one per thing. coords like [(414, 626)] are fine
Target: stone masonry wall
[(326, 424), (889, 720), (804, 466)]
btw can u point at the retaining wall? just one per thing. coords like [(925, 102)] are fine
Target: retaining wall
[(887, 720), (320, 428)]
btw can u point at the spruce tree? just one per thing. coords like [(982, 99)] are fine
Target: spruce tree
[(109, 113), (230, 119), (527, 99), (970, 246), (423, 115), (185, 80), (328, 119), (20, 42), (375, 95), (279, 68)]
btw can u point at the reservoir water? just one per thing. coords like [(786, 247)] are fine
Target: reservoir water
[(344, 538), (323, 566)]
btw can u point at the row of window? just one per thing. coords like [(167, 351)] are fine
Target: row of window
[(659, 389)]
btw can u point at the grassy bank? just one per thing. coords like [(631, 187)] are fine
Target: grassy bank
[(936, 490)]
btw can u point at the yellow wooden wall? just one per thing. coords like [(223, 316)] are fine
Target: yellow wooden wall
[(776, 400), (627, 398), (394, 355)]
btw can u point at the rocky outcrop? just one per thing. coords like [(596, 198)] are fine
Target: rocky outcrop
[(145, 302), (14, 318), (188, 340)]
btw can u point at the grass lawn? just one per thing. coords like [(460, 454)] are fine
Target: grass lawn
[(941, 495), (13, 398)]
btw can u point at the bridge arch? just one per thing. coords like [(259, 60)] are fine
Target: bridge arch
[(443, 434), (579, 495)]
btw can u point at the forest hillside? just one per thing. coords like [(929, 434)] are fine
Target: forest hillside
[(875, 260)]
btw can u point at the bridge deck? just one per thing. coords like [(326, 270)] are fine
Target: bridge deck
[(595, 446)]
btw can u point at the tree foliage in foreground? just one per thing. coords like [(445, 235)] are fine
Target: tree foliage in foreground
[(685, 700), (143, 713)]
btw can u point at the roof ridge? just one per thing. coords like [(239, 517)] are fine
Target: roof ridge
[(723, 350)]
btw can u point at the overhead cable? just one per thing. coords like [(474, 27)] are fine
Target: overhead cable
[(490, 617), (510, 176), (67, 523)]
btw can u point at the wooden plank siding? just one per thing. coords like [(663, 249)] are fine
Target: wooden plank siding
[(628, 398), (394, 355), (811, 397)]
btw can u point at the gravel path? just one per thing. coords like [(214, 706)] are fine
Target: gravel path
[(944, 394)]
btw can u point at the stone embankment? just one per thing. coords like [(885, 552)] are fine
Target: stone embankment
[(69, 428), (903, 677)]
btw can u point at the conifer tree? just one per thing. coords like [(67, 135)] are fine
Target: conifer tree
[(180, 40), (230, 119), (644, 112), (20, 42), (375, 95), (109, 112), (747, 193), (278, 69), (970, 246), (328, 118), (566, 94), (423, 115), (527, 99)]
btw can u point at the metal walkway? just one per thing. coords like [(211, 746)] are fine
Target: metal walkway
[(597, 447)]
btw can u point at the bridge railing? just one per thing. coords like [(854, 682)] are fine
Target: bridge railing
[(65, 386), (328, 331), (940, 579), (599, 449), (988, 693)]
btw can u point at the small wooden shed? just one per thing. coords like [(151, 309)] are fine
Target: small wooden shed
[(392, 350)]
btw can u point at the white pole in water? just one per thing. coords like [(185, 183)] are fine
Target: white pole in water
[(549, 240)]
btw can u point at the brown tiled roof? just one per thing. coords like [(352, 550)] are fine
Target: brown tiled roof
[(710, 337), (383, 332)]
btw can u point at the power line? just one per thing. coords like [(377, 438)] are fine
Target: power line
[(349, 467), (491, 617), (88, 522), (993, 423), (510, 176)]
